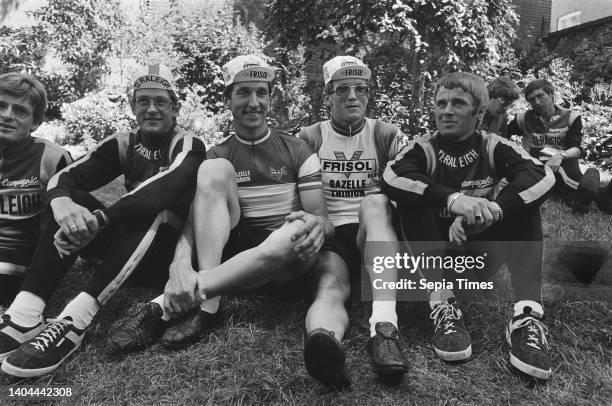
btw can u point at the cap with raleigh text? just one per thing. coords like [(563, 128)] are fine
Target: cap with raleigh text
[(345, 67), (246, 68), (155, 76)]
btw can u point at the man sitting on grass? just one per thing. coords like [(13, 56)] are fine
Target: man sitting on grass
[(353, 151), (554, 135), (247, 228), (159, 162), (26, 167), (445, 184)]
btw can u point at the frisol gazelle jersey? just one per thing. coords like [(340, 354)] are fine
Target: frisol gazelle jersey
[(352, 163), (270, 173), (25, 170), (431, 168), (158, 172)]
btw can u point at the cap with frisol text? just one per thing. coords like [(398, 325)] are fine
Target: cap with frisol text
[(155, 76), (247, 68), (345, 67)]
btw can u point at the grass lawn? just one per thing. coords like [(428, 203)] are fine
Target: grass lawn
[(256, 356)]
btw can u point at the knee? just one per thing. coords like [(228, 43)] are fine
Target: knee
[(375, 208), (215, 175)]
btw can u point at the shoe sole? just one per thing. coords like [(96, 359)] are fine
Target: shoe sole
[(391, 371), (5, 355), (588, 188), (455, 355), (524, 367), (324, 359), (29, 373)]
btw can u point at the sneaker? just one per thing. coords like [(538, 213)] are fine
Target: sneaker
[(384, 347), (324, 359), (138, 331), (190, 329), (13, 335), (587, 191), (451, 340), (46, 351), (529, 350)]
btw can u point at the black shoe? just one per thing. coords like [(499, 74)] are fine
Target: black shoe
[(604, 199), (190, 329), (384, 347), (13, 335), (46, 351), (587, 191), (324, 359), (451, 340), (529, 350), (140, 330)]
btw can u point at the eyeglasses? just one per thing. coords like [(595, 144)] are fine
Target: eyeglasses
[(160, 103), (505, 102), (344, 90), (19, 111)]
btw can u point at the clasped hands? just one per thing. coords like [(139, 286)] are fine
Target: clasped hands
[(473, 216)]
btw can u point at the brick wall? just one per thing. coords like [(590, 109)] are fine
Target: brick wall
[(534, 22), (594, 32)]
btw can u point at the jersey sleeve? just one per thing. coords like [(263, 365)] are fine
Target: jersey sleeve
[(573, 139), (90, 172), (309, 169), (406, 180), (529, 180)]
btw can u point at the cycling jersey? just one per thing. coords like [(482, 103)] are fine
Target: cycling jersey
[(144, 163), (352, 163), (270, 171), (25, 170)]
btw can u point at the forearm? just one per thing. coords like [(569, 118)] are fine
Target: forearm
[(571, 153)]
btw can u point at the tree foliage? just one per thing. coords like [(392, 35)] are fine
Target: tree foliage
[(407, 43)]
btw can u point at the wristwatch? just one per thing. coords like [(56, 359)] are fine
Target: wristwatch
[(103, 221)]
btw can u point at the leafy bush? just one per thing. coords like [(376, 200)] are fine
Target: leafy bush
[(93, 118), (195, 117)]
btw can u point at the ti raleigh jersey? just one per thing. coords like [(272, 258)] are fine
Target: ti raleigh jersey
[(25, 170), (146, 165), (429, 169), (352, 165), (562, 131), (270, 173)]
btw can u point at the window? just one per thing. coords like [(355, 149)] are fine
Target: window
[(568, 20)]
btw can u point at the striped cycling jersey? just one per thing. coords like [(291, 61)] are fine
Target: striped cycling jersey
[(25, 170), (270, 173), (352, 164), (150, 166)]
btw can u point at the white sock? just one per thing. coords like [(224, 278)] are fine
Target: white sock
[(82, 309), (211, 305), (26, 310), (160, 301), (520, 305), (382, 310), (439, 296)]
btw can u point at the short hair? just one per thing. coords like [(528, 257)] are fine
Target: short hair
[(504, 87), (228, 90), (21, 84), (540, 84), (470, 83)]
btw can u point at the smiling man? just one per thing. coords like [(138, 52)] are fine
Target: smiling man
[(159, 162), (258, 219), (353, 151), (26, 165), (445, 184)]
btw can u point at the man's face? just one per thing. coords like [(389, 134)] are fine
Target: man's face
[(499, 105), (541, 102), (250, 104), (456, 116), (16, 118), (154, 111), (349, 100)]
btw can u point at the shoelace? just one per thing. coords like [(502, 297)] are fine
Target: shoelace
[(536, 331), (50, 333), (446, 313)]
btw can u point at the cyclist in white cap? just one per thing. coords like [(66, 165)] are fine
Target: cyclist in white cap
[(353, 151), (258, 218), (159, 162)]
